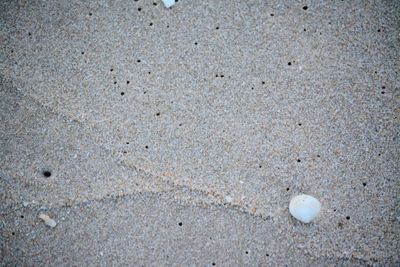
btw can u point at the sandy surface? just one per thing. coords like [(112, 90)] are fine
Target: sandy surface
[(212, 114)]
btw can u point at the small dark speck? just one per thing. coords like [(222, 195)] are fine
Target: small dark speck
[(287, 189), (127, 143), (82, 53), (383, 87), (364, 184), (147, 147), (379, 154), (158, 114), (318, 156), (247, 252), (305, 29), (195, 43), (139, 9), (127, 82), (144, 92), (267, 255), (13, 233), (222, 76), (125, 152), (298, 160), (180, 124), (122, 93), (347, 217), (151, 24), (216, 75), (383, 92), (289, 63), (138, 61), (22, 216), (12, 51), (379, 30), (149, 72), (115, 82), (167, 26), (46, 173), (305, 7), (299, 124), (272, 14), (29, 34), (90, 13), (111, 69), (252, 88), (217, 28), (180, 224), (213, 264), (154, 4), (260, 166), (263, 82)]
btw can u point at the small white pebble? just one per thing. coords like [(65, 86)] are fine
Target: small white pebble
[(304, 208), (168, 3), (47, 220), (228, 199)]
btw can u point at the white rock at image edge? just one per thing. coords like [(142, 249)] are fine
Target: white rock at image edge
[(304, 208), (168, 3)]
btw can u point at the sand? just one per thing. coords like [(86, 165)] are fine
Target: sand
[(123, 119)]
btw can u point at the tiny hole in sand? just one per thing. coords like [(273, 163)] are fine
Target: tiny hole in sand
[(46, 173)]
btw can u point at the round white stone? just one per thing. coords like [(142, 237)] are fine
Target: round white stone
[(304, 208)]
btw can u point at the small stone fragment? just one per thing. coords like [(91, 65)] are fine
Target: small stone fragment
[(228, 199), (168, 3), (47, 220), (304, 208)]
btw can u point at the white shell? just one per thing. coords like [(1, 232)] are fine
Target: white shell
[(168, 3), (47, 220), (304, 208)]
